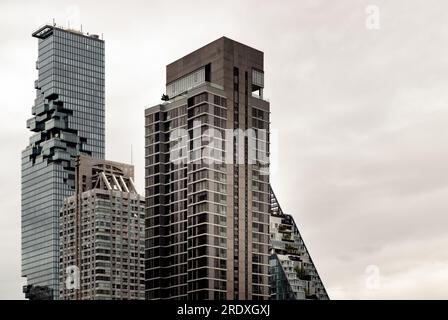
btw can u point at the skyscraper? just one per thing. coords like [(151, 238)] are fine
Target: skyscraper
[(102, 234), (68, 120), (207, 187), (293, 273)]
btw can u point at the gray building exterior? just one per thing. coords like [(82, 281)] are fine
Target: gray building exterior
[(293, 275), (102, 234), (207, 221), (68, 120)]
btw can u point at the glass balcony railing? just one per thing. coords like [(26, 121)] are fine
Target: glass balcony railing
[(257, 96)]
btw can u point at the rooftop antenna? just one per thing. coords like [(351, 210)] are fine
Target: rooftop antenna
[(68, 22), (81, 28), (132, 162), (54, 23)]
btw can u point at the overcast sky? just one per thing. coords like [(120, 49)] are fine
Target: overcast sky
[(361, 115)]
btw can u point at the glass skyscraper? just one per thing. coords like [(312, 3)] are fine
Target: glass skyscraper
[(68, 120)]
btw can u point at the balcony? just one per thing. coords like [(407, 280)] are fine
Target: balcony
[(291, 249), (69, 137), (55, 123), (53, 143), (35, 138), (40, 109), (61, 155), (302, 274), (287, 237), (34, 125), (283, 228), (259, 96)]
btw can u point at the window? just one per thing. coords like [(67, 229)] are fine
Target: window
[(186, 83)]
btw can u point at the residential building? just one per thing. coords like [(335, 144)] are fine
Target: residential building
[(207, 187), (102, 234)]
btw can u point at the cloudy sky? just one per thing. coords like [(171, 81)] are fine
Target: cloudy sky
[(361, 117)]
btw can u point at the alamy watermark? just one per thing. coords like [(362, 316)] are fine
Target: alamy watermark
[(207, 145), (373, 17), (72, 278), (373, 277)]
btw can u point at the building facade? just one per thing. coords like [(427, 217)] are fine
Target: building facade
[(102, 234), (293, 273), (68, 120), (207, 187)]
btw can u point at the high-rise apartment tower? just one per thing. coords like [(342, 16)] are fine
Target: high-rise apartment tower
[(207, 179), (68, 120), (102, 234)]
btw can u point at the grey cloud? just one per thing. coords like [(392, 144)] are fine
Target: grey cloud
[(361, 117)]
